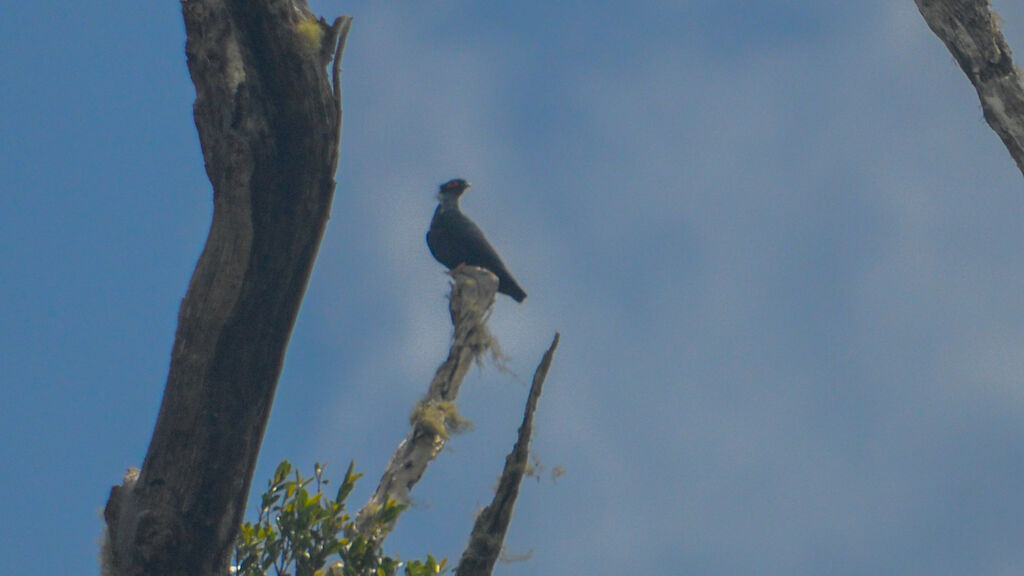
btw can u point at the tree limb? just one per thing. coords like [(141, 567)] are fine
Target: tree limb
[(970, 31), (269, 125), (471, 298), (492, 524)]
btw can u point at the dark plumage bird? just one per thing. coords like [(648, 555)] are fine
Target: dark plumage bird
[(454, 240)]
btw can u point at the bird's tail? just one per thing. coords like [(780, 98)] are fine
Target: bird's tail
[(512, 288)]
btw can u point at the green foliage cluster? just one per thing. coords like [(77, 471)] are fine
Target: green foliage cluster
[(298, 531)]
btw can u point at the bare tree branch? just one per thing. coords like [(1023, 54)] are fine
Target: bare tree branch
[(269, 124), (471, 299), (971, 32), (492, 524)]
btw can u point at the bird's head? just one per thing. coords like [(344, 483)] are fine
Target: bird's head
[(452, 189)]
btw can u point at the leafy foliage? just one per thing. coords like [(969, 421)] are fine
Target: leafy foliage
[(298, 531)]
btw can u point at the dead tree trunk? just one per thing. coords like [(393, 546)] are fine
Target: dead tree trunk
[(269, 123)]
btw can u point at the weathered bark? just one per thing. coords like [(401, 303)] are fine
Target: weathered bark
[(971, 33), (269, 124), (471, 298), (492, 524)]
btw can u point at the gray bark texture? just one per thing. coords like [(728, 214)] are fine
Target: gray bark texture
[(269, 123), (435, 416), (970, 30)]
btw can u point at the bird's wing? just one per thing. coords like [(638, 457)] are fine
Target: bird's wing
[(475, 249)]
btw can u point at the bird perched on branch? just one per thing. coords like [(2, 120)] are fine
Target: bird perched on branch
[(455, 240)]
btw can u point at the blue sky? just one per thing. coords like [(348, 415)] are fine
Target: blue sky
[(780, 242)]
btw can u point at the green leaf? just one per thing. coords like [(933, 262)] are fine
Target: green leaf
[(299, 533), (283, 469)]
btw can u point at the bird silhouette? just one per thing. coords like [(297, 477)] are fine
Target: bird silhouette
[(455, 240)]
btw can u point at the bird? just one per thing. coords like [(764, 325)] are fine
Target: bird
[(454, 240)]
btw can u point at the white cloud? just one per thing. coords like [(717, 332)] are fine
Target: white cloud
[(763, 268)]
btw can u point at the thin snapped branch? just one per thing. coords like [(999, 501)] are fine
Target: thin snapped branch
[(342, 25), (492, 524)]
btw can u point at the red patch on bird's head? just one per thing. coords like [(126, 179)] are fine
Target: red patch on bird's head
[(458, 185)]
